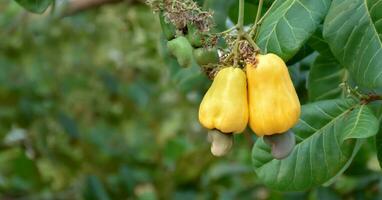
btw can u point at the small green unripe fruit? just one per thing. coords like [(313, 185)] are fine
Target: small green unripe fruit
[(194, 36), (204, 56), (182, 50), (168, 29)]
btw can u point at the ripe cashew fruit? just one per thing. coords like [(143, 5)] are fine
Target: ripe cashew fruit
[(225, 107), (182, 50), (204, 56), (274, 106)]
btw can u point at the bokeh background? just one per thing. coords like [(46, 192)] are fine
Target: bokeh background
[(93, 107)]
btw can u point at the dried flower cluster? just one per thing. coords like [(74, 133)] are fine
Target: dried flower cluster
[(183, 12), (247, 52)]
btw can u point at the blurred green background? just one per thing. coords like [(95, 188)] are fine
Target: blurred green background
[(92, 107)]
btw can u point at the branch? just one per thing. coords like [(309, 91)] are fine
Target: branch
[(370, 98), (258, 14)]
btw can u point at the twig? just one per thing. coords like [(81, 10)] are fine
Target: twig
[(258, 14), (260, 22), (240, 19), (227, 31), (251, 42), (240, 32), (256, 26), (371, 97)]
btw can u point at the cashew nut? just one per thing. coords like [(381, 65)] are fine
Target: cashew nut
[(221, 143), (281, 144)]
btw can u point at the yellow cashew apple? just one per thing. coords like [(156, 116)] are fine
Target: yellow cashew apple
[(274, 106), (225, 106)]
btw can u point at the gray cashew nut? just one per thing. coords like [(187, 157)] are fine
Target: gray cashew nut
[(281, 144), (221, 143)]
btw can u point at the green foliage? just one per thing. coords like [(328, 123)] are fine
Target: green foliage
[(250, 10), (289, 25), (194, 37), (378, 142), (36, 6), (304, 52), (221, 11), (325, 78), (354, 35), (327, 130), (95, 189), (326, 73), (181, 49), (95, 106), (204, 56), (168, 29)]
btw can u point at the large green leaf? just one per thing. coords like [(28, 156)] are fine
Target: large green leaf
[(329, 131), (326, 73), (36, 6), (289, 25), (353, 30), (318, 43), (304, 52), (324, 79)]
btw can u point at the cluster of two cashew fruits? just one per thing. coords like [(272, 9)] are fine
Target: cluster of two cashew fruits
[(262, 95)]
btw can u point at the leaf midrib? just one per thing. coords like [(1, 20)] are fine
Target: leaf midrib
[(330, 122), (276, 24), (356, 122)]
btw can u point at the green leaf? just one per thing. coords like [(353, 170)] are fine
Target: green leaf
[(304, 52), (36, 6), (250, 11), (221, 11), (329, 131), (353, 31), (356, 148), (318, 43), (267, 3), (289, 25), (326, 193), (324, 79), (378, 145), (326, 73), (190, 78)]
